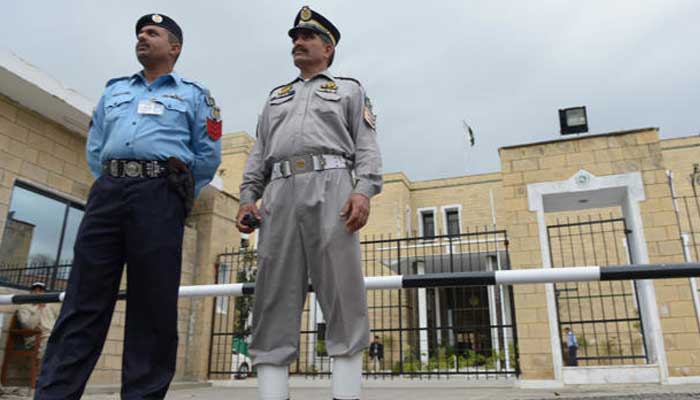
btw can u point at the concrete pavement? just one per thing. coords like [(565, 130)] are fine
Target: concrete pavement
[(443, 389), (409, 389)]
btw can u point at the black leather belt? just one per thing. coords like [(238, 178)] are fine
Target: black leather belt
[(135, 168)]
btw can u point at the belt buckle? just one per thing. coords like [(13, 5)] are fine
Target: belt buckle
[(297, 165), (300, 164), (132, 169)]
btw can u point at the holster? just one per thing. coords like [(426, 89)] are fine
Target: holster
[(181, 180)]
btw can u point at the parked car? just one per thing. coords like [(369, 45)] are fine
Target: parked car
[(240, 359)]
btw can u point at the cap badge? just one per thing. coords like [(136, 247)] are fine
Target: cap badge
[(156, 18), (305, 13)]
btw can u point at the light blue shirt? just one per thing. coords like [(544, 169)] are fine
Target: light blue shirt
[(571, 339), (119, 131)]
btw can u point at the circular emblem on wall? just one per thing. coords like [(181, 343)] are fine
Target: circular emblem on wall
[(305, 13), (583, 179), (156, 18)]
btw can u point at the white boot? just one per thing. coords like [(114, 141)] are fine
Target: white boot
[(347, 377), (273, 382)]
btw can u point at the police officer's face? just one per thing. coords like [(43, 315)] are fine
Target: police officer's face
[(309, 49), (153, 46)]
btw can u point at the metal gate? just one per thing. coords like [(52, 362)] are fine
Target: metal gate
[(424, 332), (687, 209), (604, 316)]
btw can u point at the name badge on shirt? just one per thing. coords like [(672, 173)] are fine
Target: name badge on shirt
[(150, 107)]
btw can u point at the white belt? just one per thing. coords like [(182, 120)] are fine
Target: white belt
[(307, 163)]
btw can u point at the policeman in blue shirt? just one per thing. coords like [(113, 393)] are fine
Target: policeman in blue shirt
[(153, 144)]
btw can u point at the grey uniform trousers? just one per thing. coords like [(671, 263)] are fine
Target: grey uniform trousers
[(302, 236)]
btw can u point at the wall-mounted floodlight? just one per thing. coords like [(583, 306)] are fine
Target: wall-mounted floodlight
[(573, 120)]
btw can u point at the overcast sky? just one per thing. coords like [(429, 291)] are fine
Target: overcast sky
[(505, 67)]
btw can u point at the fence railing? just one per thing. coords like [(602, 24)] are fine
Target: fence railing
[(425, 332), (22, 276)]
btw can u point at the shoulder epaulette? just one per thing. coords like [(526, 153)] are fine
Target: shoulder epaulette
[(115, 80), (349, 79), (280, 86), (197, 85)]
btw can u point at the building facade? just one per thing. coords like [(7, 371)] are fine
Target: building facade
[(610, 199)]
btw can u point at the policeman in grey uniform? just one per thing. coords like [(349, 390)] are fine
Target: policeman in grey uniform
[(313, 134)]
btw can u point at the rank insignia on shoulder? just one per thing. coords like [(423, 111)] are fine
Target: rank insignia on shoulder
[(330, 87), (210, 101), (370, 117), (285, 90)]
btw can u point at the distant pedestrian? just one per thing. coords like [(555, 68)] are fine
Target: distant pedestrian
[(376, 354), (572, 346)]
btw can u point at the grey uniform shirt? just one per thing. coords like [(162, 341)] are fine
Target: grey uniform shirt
[(322, 115)]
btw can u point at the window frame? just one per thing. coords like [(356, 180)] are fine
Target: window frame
[(421, 228), (451, 207), (68, 201)]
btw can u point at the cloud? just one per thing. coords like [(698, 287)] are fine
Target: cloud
[(503, 66)]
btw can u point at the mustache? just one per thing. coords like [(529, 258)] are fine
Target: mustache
[(299, 48)]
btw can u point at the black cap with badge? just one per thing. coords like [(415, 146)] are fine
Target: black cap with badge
[(160, 20), (309, 19)]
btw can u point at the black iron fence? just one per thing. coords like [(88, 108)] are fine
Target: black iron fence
[(22, 276), (604, 316), (423, 332)]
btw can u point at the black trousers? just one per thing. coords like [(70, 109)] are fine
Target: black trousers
[(573, 357), (140, 222)]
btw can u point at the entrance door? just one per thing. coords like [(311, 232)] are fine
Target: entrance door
[(604, 316)]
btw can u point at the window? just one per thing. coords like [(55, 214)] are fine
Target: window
[(428, 224), (40, 229), (452, 217)]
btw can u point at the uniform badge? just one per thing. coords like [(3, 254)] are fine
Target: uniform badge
[(216, 113), (174, 96), (210, 101), (329, 87), (285, 90), (156, 18), (214, 128), (370, 118), (305, 13)]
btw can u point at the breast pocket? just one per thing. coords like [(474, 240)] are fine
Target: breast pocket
[(117, 106), (174, 111), (278, 101), (279, 107), (329, 106)]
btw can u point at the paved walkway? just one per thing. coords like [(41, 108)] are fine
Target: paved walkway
[(406, 389)]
